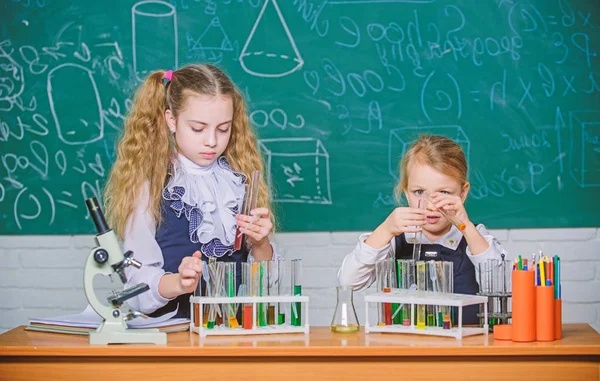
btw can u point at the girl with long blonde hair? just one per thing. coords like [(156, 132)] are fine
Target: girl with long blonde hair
[(175, 192)]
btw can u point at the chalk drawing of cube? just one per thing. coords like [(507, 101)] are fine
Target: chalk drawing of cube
[(584, 154), (402, 138), (298, 170)]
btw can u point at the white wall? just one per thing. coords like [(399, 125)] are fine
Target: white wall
[(42, 276)]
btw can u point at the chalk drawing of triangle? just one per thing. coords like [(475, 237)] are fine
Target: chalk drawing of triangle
[(213, 38), (280, 56)]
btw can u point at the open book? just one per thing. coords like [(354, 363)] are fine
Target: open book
[(89, 320)]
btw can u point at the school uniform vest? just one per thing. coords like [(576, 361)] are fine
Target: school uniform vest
[(172, 235), (464, 271)]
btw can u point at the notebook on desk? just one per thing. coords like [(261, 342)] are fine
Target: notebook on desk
[(89, 320)]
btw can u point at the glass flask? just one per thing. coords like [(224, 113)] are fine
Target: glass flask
[(344, 318)]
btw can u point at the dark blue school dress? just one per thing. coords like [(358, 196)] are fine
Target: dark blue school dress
[(173, 237), (464, 271)]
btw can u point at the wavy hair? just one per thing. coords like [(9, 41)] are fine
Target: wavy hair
[(146, 148)]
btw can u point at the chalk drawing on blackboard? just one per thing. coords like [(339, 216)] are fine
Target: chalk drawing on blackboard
[(298, 170), (12, 81), (154, 37), (270, 50), (585, 147), (213, 38), (370, 2), (75, 125), (402, 138)]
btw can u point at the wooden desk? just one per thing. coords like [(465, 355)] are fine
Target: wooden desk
[(322, 355)]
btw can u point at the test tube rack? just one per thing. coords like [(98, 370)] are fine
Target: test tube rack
[(414, 298), (493, 278), (255, 301)]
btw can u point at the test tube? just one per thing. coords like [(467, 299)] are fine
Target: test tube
[(197, 292), (430, 286), (447, 283), (406, 279), (418, 236), (230, 290), (421, 286), (280, 275), (262, 291), (246, 290), (249, 204), (384, 274), (271, 290), (296, 275)]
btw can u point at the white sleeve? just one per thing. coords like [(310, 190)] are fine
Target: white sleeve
[(358, 268), (277, 256), (494, 251), (140, 238)]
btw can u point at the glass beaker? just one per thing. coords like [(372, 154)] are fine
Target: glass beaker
[(344, 319)]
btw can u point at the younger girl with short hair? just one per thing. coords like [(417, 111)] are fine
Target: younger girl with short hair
[(433, 166)]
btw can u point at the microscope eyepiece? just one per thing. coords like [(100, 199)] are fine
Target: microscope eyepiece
[(97, 215)]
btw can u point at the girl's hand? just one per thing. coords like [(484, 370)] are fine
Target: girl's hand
[(260, 228), (189, 272), (451, 205), (405, 220)]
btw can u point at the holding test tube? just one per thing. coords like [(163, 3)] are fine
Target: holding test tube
[(249, 205), (449, 216), (418, 236)]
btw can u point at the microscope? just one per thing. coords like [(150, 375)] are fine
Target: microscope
[(107, 259)]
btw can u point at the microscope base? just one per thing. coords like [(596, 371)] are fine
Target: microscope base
[(117, 334)]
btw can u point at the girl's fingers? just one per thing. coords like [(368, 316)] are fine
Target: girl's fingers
[(413, 230), (193, 264), (187, 282), (189, 273), (263, 212)]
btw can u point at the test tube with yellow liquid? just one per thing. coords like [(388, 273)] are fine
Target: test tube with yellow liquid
[(421, 286)]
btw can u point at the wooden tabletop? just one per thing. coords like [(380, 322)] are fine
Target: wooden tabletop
[(578, 340)]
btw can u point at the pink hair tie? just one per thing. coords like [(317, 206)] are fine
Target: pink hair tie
[(168, 75)]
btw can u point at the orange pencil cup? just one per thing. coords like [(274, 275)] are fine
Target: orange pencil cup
[(544, 302), (523, 306), (557, 319)]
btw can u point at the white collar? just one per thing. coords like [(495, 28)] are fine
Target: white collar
[(209, 197), (449, 240)]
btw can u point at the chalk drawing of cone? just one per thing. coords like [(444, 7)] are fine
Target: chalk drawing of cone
[(75, 104), (270, 50), (154, 37)]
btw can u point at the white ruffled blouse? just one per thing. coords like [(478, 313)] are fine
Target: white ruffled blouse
[(210, 197)]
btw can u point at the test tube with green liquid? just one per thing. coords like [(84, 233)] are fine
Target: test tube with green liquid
[(421, 286), (296, 276), (262, 291), (280, 274), (271, 290)]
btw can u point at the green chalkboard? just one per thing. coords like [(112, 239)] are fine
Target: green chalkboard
[(337, 89)]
